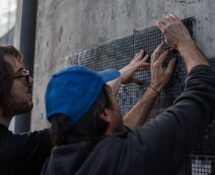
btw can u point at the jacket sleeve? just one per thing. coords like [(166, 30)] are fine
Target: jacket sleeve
[(167, 139)]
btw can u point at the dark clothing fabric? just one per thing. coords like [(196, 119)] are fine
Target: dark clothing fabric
[(23, 154), (158, 147)]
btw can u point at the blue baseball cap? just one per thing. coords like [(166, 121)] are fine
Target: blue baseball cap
[(73, 90)]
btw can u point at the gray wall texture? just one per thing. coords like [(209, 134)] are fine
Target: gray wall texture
[(65, 27)]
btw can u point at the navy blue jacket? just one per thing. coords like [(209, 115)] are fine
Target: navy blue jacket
[(158, 147)]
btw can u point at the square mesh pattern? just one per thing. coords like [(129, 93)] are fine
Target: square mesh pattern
[(119, 53)]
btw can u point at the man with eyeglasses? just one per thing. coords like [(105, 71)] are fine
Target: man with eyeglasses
[(26, 153)]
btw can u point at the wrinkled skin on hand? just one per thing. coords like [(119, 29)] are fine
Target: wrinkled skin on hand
[(177, 36), (175, 32)]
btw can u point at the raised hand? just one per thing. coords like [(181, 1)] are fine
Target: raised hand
[(128, 71), (159, 75), (177, 36), (175, 32)]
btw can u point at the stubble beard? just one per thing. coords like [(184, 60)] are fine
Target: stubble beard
[(24, 110), (17, 109)]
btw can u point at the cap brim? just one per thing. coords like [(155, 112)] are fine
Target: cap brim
[(108, 75)]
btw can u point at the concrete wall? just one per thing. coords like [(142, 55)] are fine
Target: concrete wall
[(65, 27)]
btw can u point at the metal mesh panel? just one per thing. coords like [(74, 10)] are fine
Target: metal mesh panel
[(118, 54)]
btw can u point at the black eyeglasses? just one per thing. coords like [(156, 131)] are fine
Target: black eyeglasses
[(26, 75)]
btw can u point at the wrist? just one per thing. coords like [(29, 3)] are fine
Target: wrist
[(186, 45), (120, 78), (158, 87), (192, 56), (153, 92)]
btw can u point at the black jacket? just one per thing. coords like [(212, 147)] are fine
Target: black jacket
[(23, 154), (158, 147)]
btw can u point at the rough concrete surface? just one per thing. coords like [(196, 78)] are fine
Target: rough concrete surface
[(65, 27)]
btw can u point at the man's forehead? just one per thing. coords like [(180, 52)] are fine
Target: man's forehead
[(16, 65)]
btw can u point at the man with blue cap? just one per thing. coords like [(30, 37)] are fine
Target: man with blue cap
[(88, 130), (28, 151)]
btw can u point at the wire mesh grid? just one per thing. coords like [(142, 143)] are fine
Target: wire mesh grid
[(119, 53)]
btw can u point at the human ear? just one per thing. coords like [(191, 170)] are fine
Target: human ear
[(106, 116)]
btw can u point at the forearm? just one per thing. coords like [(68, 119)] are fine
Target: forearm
[(138, 114), (171, 135), (192, 56), (177, 36), (115, 85)]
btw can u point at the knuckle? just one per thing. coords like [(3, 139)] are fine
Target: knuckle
[(156, 54), (168, 72), (156, 64), (139, 56)]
